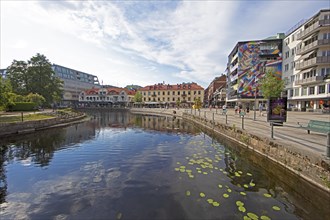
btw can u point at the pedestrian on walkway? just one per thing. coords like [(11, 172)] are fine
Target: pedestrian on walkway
[(260, 109), (236, 109)]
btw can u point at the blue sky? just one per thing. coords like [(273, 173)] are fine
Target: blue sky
[(143, 42)]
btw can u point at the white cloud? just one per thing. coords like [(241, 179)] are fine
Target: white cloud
[(142, 42)]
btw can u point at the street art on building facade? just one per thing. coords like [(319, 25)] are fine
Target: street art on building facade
[(251, 67)]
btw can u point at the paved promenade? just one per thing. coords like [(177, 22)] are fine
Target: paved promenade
[(290, 134)]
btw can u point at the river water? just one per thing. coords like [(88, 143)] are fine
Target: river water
[(123, 166)]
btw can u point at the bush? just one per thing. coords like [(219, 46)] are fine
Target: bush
[(22, 106)]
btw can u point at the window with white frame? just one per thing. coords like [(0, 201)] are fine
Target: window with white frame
[(296, 92), (311, 90), (286, 67)]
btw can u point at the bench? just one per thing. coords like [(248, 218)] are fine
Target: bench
[(317, 126)]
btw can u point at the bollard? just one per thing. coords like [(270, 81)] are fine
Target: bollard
[(272, 130), (328, 145), (204, 114), (242, 122), (226, 119), (22, 115)]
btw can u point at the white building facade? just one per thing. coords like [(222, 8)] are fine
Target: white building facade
[(306, 63)]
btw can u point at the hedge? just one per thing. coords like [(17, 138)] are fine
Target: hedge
[(22, 106)]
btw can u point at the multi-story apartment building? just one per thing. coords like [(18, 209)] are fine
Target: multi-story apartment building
[(306, 63), (166, 95), (74, 82), (107, 97), (247, 63), (213, 96)]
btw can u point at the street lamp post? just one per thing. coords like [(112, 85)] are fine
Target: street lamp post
[(255, 97)]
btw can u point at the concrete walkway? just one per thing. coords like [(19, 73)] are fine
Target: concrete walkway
[(312, 145)]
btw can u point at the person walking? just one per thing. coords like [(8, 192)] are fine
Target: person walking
[(260, 109)]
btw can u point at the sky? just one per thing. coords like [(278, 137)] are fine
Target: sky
[(143, 42)]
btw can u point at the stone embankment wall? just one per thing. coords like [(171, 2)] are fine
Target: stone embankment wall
[(7, 129)]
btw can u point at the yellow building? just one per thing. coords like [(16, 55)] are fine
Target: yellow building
[(166, 95)]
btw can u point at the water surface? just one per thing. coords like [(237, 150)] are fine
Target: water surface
[(121, 166)]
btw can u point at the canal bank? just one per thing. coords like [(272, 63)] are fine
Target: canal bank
[(57, 120), (291, 147)]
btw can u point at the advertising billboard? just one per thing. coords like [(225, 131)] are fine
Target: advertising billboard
[(277, 109)]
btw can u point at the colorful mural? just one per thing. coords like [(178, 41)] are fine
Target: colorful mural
[(251, 68)]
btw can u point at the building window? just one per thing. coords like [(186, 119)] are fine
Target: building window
[(322, 89), (290, 92), (296, 92), (293, 65), (168, 92), (173, 99), (199, 92), (304, 91), (286, 67), (311, 90), (178, 92), (325, 71), (173, 93), (287, 54), (293, 51), (326, 53)]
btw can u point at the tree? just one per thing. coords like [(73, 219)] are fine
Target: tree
[(36, 98), (17, 74), (138, 97), (43, 79), (197, 103), (5, 89), (36, 76), (271, 86)]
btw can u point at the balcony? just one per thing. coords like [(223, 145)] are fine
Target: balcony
[(313, 45), (310, 80), (312, 62), (311, 29)]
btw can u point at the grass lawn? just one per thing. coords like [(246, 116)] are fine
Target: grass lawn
[(26, 117)]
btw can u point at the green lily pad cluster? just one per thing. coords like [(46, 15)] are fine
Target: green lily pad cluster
[(201, 163)]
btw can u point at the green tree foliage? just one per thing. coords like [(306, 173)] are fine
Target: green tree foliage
[(5, 89), (36, 76), (198, 103), (271, 86), (35, 98), (17, 74), (138, 97)]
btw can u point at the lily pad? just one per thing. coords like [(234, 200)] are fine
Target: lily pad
[(220, 186), (276, 208), (243, 193), (246, 218), (215, 204), (209, 201), (252, 184), (241, 209), (229, 190), (246, 185), (188, 193), (177, 169), (239, 203), (267, 195), (263, 217), (202, 195), (249, 174), (225, 195), (252, 215)]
